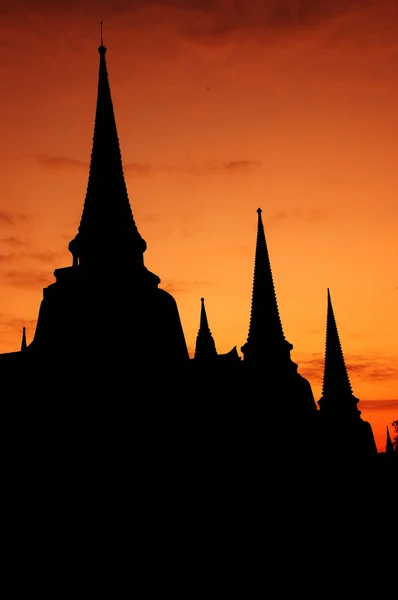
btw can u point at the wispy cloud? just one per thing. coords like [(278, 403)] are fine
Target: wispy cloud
[(60, 162), (182, 287), (314, 215), (31, 280), (380, 405), (6, 258), (46, 256), (144, 170), (211, 167), (10, 219), (362, 367), (15, 323), (14, 242)]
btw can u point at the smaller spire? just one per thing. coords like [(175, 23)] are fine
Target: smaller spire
[(336, 388), (389, 444), (265, 337), (23, 343), (102, 41), (205, 345)]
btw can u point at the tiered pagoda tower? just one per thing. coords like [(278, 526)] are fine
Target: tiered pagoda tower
[(205, 350), (276, 392), (345, 435), (107, 307)]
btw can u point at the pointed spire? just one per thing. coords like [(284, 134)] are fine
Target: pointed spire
[(389, 444), (336, 389), (23, 343), (205, 345), (265, 331), (108, 236)]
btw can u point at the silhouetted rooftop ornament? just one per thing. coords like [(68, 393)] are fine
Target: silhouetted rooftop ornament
[(107, 235), (23, 343), (389, 444), (265, 330), (205, 345), (336, 388)]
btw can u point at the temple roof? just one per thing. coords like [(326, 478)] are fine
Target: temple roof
[(107, 233)]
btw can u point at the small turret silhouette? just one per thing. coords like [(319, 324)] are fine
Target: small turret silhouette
[(337, 396), (23, 343), (205, 346)]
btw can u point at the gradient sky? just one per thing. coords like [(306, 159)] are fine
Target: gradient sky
[(222, 107)]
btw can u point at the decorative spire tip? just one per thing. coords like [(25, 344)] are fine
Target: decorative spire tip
[(102, 48), (202, 299), (259, 211)]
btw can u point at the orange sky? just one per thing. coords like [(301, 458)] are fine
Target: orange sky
[(221, 107)]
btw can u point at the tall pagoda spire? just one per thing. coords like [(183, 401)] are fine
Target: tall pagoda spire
[(205, 345), (107, 236), (266, 337), (336, 390), (389, 444)]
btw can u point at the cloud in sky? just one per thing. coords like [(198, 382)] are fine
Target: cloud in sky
[(14, 323), (175, 287), (380, 405), (10, 219), (207, 168), (374, 369), (211, 17), (29, 279), (315, 216), (46, 256), (14, 242), (6, 258), (205, 26)]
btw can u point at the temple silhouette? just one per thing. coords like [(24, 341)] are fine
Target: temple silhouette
[(108, 367)]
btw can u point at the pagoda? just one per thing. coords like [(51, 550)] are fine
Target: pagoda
[(344, 434), (106, 308)]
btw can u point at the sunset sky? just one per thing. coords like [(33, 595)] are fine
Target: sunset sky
[(222, 106)]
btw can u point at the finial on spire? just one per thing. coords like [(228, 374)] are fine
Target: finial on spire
[(259, 211), (102, 48), (202, 300), (23, 343)]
